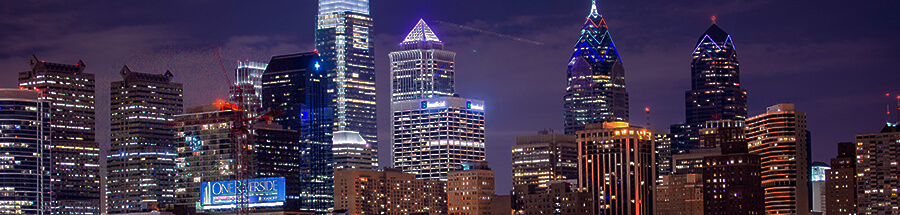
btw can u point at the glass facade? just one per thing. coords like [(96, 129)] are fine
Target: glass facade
[(76, 154), (422, 69), (24, 152), (297, 85), (596, 78), (344, 42), (141, 159)]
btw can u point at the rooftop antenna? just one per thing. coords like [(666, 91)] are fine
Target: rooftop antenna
[(648, 116), (713, 18)]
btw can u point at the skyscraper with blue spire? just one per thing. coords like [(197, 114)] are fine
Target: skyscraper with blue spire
[(596, 78)]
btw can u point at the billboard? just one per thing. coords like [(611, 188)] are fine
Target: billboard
[(261, 192)]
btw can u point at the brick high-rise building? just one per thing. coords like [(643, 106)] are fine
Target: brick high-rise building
[(841, 182), (780, 138), (680, 194), (388, 191), (470, 189), (615, 165), (76, 154)]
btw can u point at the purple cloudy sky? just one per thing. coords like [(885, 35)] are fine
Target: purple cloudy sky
[(834, 59)]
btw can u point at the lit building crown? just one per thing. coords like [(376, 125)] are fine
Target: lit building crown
[(421, 33)]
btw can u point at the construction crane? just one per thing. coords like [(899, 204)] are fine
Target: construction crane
[(239, 131), (468, 28)]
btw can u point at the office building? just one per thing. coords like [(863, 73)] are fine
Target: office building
[(596, 78), (716, 92), (206, 151), (780, 138), (841, 182), (76, 154), (344, 40), (297, 85), (538, 159), (680, 194), (25, 137), (389, 191), (248, 78), (350, 150), (470, 189), (279, 152), (615, 165), (141, 159), (818, 188), (878, 190), (422, 68), (436, 135)]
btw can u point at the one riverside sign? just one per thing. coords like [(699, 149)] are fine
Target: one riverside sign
[(261, 192)]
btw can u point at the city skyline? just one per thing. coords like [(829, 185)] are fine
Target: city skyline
[(764, 58)]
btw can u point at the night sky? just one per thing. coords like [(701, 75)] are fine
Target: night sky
[(835, 59)]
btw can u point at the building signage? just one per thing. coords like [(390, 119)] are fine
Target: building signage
[(260, 192)]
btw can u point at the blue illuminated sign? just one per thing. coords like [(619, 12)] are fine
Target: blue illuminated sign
[(260, 192), (424, 104)]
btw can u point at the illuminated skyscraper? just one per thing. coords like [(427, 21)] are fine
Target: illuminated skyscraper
[(76, 154), (539, 159), (818, 188), (780, 138), (141, 158), (596, 78), (615, 164), (716, 92), (436, 135), (25, 153), (248, 76), (296, 84), (422, 69), (344, 41)]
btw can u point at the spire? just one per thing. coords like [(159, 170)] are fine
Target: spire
[(594, 12), (421, 33)]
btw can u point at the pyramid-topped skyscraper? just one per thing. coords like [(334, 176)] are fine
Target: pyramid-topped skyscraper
[(434, 129), (596, 78)]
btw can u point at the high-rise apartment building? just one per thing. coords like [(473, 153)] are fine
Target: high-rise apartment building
[(248, 77), (25, 137), (780, 138), (76, 154), (538, 159), (470, 189), (615, 164), (422, 68), (436, 135), (732, 184), (344, 41), (596, 78), (841, 182), (877, 169), (297, 85), (141, 159), (206, 151), (351, 151), (389, 191), (278, 152)]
